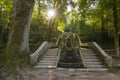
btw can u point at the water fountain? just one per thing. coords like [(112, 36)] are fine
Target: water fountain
[(70, 55)]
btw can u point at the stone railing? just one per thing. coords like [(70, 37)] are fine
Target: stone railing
[(36, 55), (58, 56), (104, 56), (83, 61)]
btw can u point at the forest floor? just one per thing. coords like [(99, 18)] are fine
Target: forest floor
[(57, 74), (116, 62)]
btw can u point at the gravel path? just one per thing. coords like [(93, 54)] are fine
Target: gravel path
[(55, 74)]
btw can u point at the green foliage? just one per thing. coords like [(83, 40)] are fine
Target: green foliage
[(37, 33), (87, 18), (43, 28), (5, 10), (90, 19)]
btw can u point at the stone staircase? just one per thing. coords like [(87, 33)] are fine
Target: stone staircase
[(92, 61), (49, 59)]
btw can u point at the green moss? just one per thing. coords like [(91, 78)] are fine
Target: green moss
[(70, 61), (2, 61)]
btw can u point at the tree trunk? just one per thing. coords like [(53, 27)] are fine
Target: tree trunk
[(39, 8), (116, 35), (103, 29), (17, 54), (50, 29), (103, 21)]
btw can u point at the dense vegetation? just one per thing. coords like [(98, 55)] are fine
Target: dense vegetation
[(92, 20)]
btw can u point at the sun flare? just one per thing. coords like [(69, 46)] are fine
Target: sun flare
[(51, 13)]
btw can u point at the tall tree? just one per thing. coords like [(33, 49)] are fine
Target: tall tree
[(102, 6), (17, 54), (115, 23)]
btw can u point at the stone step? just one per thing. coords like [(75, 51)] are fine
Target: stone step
[(86, 49), (89, 54), (92, 60), (96, 69), (45, 66), (52, 52), (94, 63), (48, 56), (95, 66), (49, 61), (41, 64), (90, 57), (85, 69)]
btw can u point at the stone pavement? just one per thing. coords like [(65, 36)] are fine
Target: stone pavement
[(55, 74)]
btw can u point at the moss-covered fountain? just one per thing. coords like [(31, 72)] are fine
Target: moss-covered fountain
[(70, 54)]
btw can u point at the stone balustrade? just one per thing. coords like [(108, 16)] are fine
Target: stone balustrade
[(104, 56), (38, 53)]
